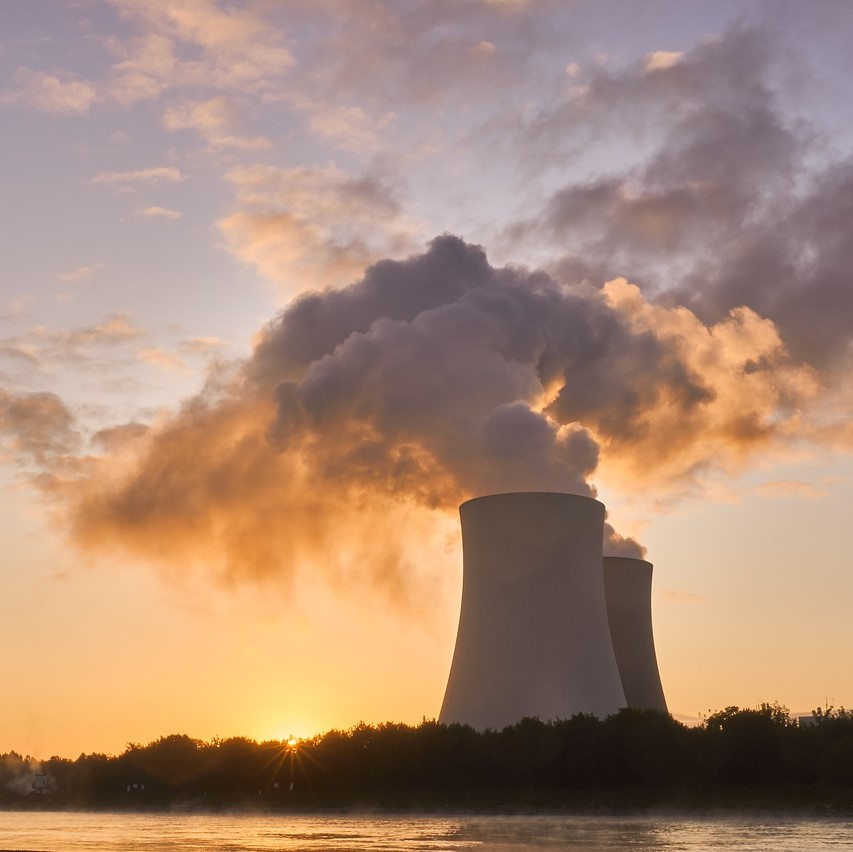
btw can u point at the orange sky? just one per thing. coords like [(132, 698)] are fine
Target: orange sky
[(284, 284)]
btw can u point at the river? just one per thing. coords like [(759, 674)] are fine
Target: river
[(113, 832)]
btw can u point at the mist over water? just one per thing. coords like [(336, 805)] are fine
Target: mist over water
[(248, 833)]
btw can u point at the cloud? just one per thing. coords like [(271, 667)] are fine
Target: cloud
[(116, 439), (203, 345), (721, 80), (380, 406), (429, 53), (310, 228), (349, 127), (17, 351), (207, 24), (728, 203), (116, 328), (791, 262), (196, 43), (156, 174), (44, 348), (616, 544), (659, 60), (81, 273), (510, 5), (216, 120), (729, 386), (160, 213), (483, 49), (451, 52), (721, 201), (176, 45), (156, 357), (147, 66), (36, 428), (48, 93), (695, 312), (789, 488)]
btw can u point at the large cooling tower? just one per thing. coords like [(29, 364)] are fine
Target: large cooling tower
[(533, 634), (628, 592)]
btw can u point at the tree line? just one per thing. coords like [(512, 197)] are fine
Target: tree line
[(433, 763)]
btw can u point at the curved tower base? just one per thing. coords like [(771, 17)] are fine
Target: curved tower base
[(628, 591), (533, 634)]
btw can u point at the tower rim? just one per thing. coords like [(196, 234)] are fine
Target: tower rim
[(568, 494)]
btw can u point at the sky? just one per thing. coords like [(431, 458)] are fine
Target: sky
[(283, 283)]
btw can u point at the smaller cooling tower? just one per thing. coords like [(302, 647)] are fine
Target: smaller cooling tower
[(628, 592), (533, 634)]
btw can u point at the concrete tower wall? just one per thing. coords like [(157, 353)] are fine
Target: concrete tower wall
[(628, 592), (533, 634)]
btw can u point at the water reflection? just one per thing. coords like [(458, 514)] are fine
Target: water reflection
[(74, 832)]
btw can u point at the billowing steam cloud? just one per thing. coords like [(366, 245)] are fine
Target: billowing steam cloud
[(365, 415)]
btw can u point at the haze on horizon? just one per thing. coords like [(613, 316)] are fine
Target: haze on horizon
[(287, 283)]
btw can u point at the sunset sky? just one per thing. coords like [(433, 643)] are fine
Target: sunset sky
[(285, 281)]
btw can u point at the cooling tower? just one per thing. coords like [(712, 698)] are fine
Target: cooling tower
[(628, 592), (533, 634)]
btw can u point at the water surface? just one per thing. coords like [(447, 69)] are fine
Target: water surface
[(105, 832)]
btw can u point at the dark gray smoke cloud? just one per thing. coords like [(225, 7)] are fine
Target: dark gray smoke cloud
[(367, 410)]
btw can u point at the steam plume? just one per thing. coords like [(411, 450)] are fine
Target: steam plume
[(365, 415)]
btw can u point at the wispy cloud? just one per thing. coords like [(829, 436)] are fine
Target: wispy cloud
[(789, 488), (508, 5), (52, 347), (156, 357), (48, 93), (231, 49), (431, 56), (217, 120), (47, 350), (82, 272), (19, 353), (350, 127), (658, 60), (234, 48), (313, 227), (156, 174), (203, 345), (160, 213), (117, 328), (36, 427)]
